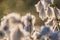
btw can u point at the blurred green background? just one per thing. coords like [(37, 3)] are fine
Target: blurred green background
[(22, 7)]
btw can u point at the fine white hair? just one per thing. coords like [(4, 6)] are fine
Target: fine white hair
[(28, 24), (24, 18), (16, 15), (42, 12), (38, 6), (50, 13), (43, 4), (8, 17), (49, 22), (47, 3), (44, 9), (57, 12), (13, 28), (35, 35)]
